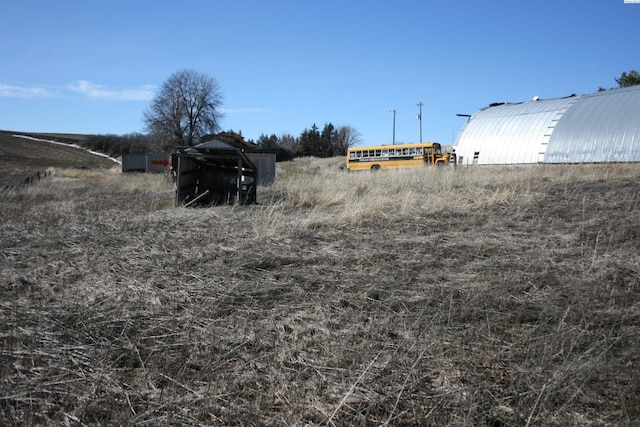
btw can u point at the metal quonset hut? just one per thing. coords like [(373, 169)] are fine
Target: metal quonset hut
[(598, 127)]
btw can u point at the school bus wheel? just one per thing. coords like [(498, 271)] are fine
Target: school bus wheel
[(375, 167)]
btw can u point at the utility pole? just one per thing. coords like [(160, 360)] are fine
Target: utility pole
[(420, 118), (394, 125)]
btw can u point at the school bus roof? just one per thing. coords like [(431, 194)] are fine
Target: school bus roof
[(386, 147)]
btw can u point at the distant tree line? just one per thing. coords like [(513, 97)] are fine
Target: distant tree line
[(117, 145), (329, 142)]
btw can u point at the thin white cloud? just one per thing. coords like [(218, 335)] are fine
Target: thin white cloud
[(12, 91), (144, 93), (83, 87)]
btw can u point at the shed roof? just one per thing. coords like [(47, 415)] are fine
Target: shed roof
[(219, 154), (598, 127)]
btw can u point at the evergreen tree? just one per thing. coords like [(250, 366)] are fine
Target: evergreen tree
[(632, 78), (328, 140), (310, 142), (268, 142)]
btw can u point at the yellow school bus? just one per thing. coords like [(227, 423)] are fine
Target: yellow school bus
[(396, 156)]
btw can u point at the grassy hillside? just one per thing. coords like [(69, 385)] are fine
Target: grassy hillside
[(480, 296), (23, 158)]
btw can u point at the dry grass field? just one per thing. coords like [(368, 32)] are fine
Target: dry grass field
[(497, 296)]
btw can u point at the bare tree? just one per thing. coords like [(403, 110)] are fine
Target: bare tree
[(288, 142), (346, 137), (186, 108)]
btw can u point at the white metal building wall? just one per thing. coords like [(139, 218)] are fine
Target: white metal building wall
[(600, 127), (509, 133)]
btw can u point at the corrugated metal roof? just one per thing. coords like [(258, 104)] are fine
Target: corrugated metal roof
[(599, 127), (602, 127), (215, 143)]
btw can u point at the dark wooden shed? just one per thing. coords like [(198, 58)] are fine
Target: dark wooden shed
[(263, 159), (213, 173)]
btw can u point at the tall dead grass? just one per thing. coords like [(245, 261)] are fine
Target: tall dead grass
[(325, 194), (478, 296)]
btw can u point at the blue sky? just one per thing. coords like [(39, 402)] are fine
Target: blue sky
[(283, 65)]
